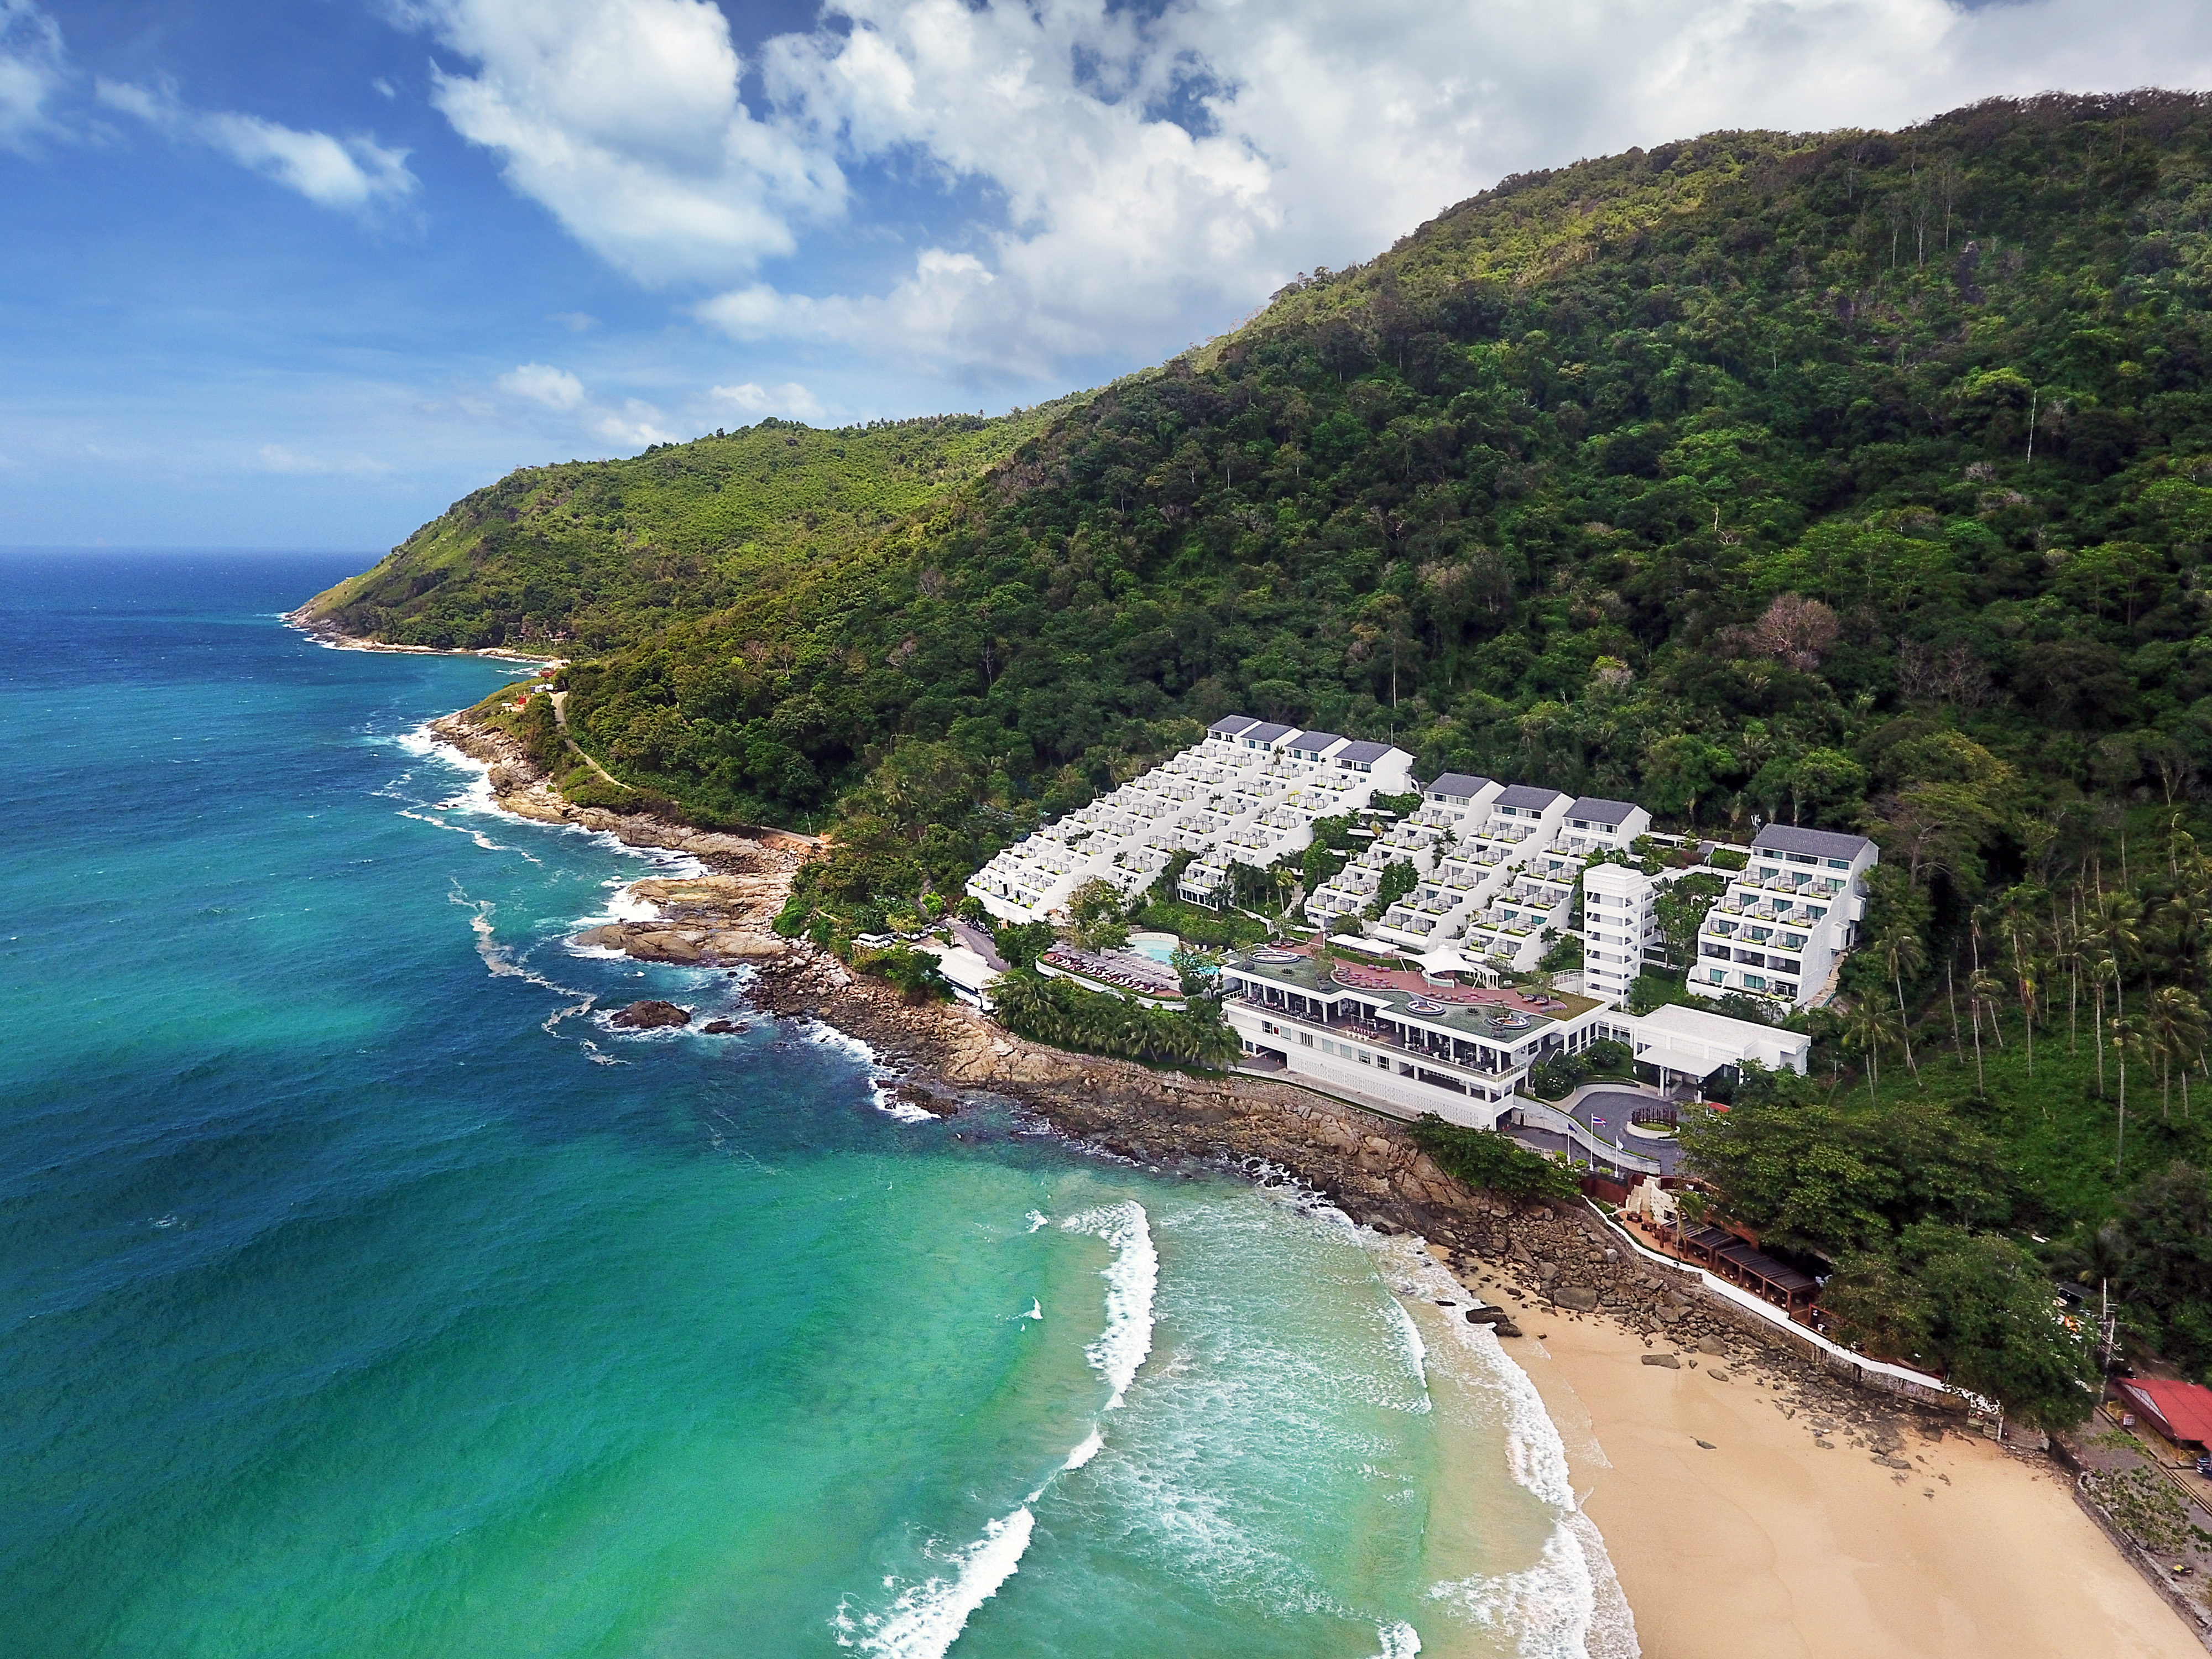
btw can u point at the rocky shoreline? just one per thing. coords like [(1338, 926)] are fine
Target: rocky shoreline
[(1532, 1264)]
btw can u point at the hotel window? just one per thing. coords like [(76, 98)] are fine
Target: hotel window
[(1754, 982)]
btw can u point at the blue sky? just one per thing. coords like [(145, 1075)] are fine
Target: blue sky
[(301, 274)]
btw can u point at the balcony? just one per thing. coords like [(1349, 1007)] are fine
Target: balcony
[(1386, 1037)]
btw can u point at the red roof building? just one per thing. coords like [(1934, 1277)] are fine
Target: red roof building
[(2182, 1411)]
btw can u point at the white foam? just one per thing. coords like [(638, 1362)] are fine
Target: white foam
[(1399, 1640), (1551, 1608), (1570, 1604), (1036, 1218), (1132, 1278), (1534, 1453), (1409, 1340), (478, 797), (1093, 1443), (1036, 1310), (926, 1619), (501, 965), (627, 906), (905, 1111), (1613, 1627)]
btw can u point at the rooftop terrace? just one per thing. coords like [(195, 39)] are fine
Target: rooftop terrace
[(1504, 1016)]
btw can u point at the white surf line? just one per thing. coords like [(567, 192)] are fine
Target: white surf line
[(1399, 1640), (1569, 1605), (671, 863), (475, 797), (1550, 1609), (1132, 1278), (925, 1620), (501, 965)]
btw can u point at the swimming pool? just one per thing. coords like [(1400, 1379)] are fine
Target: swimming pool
[(1161, 948)]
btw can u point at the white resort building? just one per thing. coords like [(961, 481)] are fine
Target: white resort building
[(1248, 794), (1486, 874), (1787, 919)]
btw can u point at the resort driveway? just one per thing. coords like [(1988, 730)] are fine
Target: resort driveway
[(1602, 1109)]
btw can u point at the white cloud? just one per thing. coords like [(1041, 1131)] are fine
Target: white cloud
[(31, 72), (274, 457), (632, 425), (355, 173), (1150, 177), (790, 399), (623, 117), (348, 173), (541, 383), (635, 424)]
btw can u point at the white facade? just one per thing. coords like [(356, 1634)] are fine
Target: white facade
[(1248, 794), (1414, 1053), (1689, 1042), (1787, 919), (1398, 1048), (1618, 924)]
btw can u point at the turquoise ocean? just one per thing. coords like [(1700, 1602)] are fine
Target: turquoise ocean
[(362, 1293)]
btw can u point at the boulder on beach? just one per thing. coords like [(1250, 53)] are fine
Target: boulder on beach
[(649, 1015)]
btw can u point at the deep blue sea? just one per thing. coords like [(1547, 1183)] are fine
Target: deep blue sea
[(362, 1292)]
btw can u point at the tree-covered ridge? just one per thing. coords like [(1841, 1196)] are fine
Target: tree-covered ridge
[(1733, 514), (593, 555), (1862, 480)]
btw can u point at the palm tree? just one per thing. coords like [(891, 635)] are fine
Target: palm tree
[(2120, 918), (1868, 1029), (2185, 916), (2175, 1026), (2018, 924), (2127, 1039), (1902, 953), (2066, 955)]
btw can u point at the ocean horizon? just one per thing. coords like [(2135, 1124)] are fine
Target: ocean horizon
[(367, 1293)]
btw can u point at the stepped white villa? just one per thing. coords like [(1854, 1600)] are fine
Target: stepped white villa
[(1495, 869), (1248, 794), (1788, 919)]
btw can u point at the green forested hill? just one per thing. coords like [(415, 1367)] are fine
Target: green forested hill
[(1702, 474), (593, 555), (1860, 479)]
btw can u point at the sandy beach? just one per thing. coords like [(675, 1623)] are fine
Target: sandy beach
[(1768, 1544)]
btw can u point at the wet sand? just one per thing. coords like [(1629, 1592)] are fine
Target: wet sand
[(1769, 1544)]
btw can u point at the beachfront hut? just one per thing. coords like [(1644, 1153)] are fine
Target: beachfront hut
[(2182, 1411), (1741, 1262)]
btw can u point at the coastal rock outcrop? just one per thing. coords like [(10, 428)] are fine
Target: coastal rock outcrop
[(650, 1015)]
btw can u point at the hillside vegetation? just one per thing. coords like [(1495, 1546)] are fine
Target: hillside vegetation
[(1856, 479), (593, 555)]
